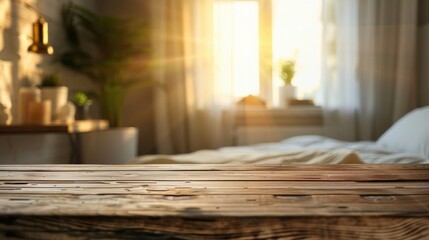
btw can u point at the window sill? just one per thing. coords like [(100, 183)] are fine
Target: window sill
[(291, 116), (260, 125)]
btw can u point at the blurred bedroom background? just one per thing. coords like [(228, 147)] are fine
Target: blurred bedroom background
[(214, 73)]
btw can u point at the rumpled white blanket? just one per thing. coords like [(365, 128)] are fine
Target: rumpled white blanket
[(301, 150)]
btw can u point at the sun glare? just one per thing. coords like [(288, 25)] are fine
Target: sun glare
[(237, 34), (296, 29)]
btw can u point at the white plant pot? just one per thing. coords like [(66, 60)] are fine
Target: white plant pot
[(286, 92), (112, 146), (58, 97)]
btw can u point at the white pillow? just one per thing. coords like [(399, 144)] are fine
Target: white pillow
[(409, 134)]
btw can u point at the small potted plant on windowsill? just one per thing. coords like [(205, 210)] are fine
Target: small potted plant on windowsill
[(287, 73)]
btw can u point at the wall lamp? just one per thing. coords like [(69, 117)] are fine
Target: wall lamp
[(40, 38)]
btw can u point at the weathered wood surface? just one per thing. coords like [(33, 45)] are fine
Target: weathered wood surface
[(214, 201), (391, 228)]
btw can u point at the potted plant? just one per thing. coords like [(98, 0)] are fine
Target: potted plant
[(105, 50), (82, 102), (51, 89), (287, 73)]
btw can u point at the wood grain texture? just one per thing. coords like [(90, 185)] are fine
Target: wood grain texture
[(227, 175), (216, 167), (214, 205), (24, 227), (214, 202), (214, 187)]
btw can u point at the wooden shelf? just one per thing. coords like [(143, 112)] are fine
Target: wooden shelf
[(72, 130), (75, 127)]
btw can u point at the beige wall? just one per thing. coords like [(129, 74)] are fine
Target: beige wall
[(16, 18)]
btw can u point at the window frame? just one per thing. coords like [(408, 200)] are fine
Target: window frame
[(265, 51)]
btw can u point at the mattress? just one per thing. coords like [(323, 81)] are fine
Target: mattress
[(296, 150)]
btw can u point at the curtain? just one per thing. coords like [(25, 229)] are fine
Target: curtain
[(339, 81), (423, 52), (195, 83), (369, 72)]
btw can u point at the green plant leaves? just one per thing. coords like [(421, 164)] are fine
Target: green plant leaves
[(50, 80), (287, 70), (107, 50)]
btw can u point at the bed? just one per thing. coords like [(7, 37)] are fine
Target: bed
[(406, 142)]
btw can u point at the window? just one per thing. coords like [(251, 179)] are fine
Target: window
[(296, 32), (236, 32)]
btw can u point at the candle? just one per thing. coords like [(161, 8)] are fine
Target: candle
[(26, 95), (39, 112), (5, 115)]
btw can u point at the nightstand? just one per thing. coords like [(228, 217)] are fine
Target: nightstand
[(260, 125)]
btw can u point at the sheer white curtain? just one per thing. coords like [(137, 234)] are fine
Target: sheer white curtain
[(340, 99), (195, 74), (369, 73)]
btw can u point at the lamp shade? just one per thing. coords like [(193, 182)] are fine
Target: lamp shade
[(40, 38)]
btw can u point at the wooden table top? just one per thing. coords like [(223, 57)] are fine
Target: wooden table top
[(188, 200)]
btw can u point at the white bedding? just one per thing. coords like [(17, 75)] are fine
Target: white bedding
[(302, 149)]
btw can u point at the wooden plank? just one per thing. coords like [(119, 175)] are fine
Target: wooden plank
[(215, 167), (215, 205), (267, 199), (216, 184), (27, 227), (215, 187), (302, 175)]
